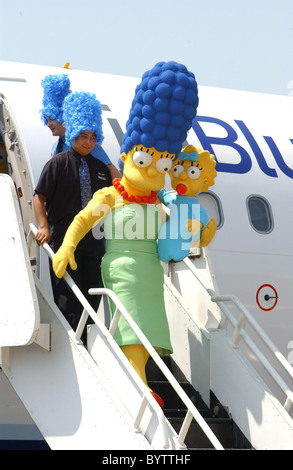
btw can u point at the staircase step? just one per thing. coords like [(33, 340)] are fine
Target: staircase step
[(181, 413), (175, 411), (170, 397), (153, 371), (196, 438)]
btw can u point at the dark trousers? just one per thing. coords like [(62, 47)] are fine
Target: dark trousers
[(88, 256)]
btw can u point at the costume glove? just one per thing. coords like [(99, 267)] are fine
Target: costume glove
[(64, 255)]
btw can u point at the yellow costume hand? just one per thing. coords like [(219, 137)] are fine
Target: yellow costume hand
[(208, 232), (194, 226), (64, 255)]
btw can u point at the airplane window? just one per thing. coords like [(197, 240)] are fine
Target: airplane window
[(260, 214), (212, 204)]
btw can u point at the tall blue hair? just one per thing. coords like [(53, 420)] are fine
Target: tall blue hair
[(82, 112), (164, 105), (56, 88)]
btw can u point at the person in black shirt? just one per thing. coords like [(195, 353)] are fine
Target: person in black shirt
[(58, 199), (56, 89)]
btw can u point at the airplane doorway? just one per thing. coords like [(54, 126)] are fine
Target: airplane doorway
[(14, 161), (3, 157)]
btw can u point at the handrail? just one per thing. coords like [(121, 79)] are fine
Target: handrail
[(121, 310), (191, 409), (89, 311), (238, 331)]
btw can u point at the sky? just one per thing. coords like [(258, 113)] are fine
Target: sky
[(245, 45)]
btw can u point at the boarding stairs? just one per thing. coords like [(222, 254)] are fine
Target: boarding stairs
[(216, 416), (92, 399)]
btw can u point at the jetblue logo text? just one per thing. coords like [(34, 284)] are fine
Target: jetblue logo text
[(230, 140)]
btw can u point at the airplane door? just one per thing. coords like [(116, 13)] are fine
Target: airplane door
[(19, 310)]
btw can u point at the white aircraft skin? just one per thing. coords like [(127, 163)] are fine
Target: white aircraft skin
[(251, 136)]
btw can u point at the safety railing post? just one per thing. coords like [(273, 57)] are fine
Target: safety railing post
[(114, 322), (81, 325)]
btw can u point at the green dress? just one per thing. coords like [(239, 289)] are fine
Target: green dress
[(131, 268)]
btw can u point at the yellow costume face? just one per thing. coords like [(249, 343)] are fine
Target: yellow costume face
[(190, 177), (145, 168)]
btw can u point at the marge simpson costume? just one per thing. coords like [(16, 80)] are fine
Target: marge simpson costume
[(188, 224), (163, 107)]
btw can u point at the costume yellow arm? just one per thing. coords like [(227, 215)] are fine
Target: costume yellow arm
[(102, 203), (208, 233)]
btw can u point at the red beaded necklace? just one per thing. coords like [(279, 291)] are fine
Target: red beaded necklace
[(145, 199)]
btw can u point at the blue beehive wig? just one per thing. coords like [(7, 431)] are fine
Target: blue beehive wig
[(162, 110), (82, 112), (56, 88)]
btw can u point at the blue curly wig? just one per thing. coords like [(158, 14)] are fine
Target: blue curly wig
[(162, 110), (82, 112), (56, 88)]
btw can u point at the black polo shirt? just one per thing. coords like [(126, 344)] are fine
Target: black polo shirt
[(59, 183)]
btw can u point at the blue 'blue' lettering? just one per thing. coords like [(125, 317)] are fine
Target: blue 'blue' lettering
[(256, 150), (230, 141), (278, 157)]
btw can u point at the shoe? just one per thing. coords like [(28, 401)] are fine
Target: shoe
[(159, 400)]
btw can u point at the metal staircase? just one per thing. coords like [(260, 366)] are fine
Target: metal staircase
[(93, 399)]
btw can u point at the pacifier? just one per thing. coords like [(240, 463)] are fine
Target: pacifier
[(181, 189)]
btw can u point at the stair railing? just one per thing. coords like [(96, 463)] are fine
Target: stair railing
[(245, 315), (192, 411)]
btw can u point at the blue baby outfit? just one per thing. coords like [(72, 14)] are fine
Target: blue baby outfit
[(175, 240)]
